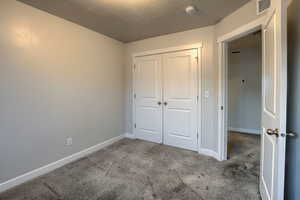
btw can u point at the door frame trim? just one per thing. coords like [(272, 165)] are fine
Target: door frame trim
[(223, 82), (167, 50), (197, 46)]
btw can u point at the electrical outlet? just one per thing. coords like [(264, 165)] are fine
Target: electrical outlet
[(69, 141)]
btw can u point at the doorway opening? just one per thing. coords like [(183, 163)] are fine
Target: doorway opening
[(274, 95), (242, 62), (244, 97), (224, 42)]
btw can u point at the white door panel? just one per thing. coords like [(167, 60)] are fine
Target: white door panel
[(270, 68), (180, 99), (274, 103), (148, 91)]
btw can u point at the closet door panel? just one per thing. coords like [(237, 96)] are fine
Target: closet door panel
[(148, 90), (180, 99)]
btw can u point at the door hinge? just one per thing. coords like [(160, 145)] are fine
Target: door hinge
[(222, 107), (197, 98), (134, 67), (134, 96), (197, 58), (197, 135), (134, 125)]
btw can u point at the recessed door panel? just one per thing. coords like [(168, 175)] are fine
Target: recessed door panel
[(179, 130), (147, 76), (180, 99), (148, 88), (270, 68), (178, 76)]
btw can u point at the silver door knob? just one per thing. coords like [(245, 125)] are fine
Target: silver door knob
[(273, 132)]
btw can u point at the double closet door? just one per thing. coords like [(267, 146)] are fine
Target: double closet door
[(165, 102)]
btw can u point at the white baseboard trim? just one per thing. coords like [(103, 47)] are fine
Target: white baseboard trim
[(130, 136), (57, 164), (208, 152), (244, 130)]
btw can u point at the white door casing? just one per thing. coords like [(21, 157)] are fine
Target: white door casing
[(223, 41), (148, 96), (274, 103), (180, 99)]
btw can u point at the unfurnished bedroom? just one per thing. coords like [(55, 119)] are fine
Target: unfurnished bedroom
[(149, 99)]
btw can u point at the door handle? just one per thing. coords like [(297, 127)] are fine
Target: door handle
[(159, 103), (273, 132), (277, 133), (165, 103)]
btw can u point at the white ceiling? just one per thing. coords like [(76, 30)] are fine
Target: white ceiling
[(131, 20)]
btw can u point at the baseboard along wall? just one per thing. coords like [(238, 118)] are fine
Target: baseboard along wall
[(244, 130), (57, 164)]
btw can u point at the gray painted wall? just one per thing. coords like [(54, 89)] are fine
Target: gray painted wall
[(293, 121), (244, 83), (57, 80)]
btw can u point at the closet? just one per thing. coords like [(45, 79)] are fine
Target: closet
[(166, 98)]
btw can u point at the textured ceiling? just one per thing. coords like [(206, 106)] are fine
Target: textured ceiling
[(131, 20)]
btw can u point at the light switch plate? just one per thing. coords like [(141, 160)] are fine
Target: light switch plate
[(206, 94)]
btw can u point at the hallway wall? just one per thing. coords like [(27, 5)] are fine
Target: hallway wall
[(244, 84)]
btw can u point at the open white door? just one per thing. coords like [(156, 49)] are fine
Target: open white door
[(274, 103)]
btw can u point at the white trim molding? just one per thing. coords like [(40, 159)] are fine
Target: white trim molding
[(166, 50), (245, 130), (243, 30), (57, 164)]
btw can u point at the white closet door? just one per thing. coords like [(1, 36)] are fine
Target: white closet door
[(180, 99), (148, 88)]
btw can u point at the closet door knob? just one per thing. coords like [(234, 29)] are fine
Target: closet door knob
[(159, 103), (166, 103)]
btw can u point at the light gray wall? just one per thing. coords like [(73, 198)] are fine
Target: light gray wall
[(292, 190), (57, 80), (244, 98)]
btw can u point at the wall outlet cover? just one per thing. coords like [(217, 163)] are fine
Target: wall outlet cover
[(206, 94)]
